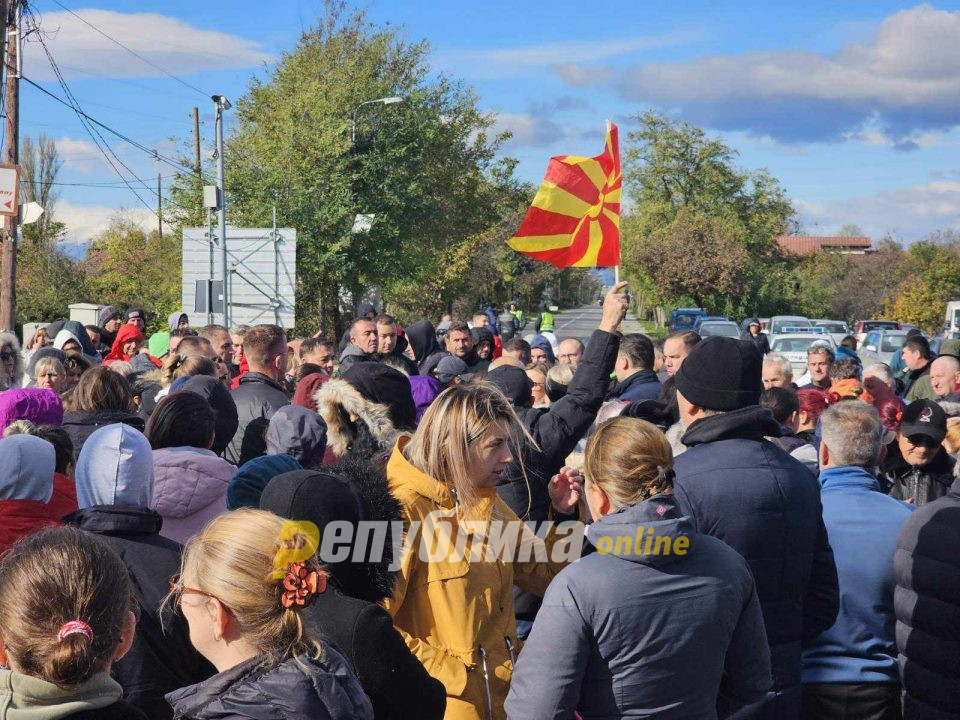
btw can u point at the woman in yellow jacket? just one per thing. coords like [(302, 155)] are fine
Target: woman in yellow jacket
[(453, 601)]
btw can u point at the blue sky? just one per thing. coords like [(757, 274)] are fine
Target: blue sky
[(853, 106)]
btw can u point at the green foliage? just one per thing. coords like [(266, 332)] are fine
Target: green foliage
[(47, 282), (127, 265), (931, 276)]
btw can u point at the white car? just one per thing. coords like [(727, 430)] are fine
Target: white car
[(779, 323), (837, 329), (795, 345)]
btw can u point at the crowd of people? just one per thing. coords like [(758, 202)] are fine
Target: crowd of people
[(633, 527)]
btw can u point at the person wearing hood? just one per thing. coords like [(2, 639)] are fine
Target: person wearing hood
[(737, 486), (115, 487), (30, 375), (249, 481), (348, 613), (365, 409), (620, 630), (65, 619), (245, 606), (27, 464), (110, 320), (178, 320), (541, 350), (125, 345), (759, 339), (436, 590), (80, 334), (259, 393), (102, 397), (484, 344), (426, 350), (190, 481), (850, 670), (67, 341), (299, 433), (917, 467), (306, 390), (39, 406), (11, 361), (221, 402)]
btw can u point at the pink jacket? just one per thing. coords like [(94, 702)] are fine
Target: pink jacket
[(189, 489)]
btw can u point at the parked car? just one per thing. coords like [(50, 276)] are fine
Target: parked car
[(721, 328), (794, 346), (778, 323), (881, 346), (707, 318), (865, 326), (685, 318), (837, 329)]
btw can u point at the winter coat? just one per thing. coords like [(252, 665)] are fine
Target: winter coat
[(424, 390), (125, 334), (189, 489), (64, 498), (26, 486), (307, 388), (115, 468), (863, 525), (222, 404), (740, 488), (450, 611), (760, 340), (352, 355), (248, 483), (80, 424), (920, 484), (303, 688), (373, 431), (23, 696), (39, 406), (427, 351), (927, 603), (542, 343), (618, 632), (144, 363), (917, 385), (507, 325), (257, 398), (642, 385), (299, 433), (63, 337), (491, 312), (161, 658)]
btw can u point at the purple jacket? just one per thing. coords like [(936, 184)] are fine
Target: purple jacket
[(189, 489), (39, 406), (425, 390)]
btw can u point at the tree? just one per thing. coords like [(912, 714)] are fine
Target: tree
[(695, 256), (126, 265), (930, 275), (39, 166), (850, 230), (425, 168), (671, 166)]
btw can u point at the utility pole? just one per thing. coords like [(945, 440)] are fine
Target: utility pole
[(11, 154), (159, 208), (222, 104), (196, 140)]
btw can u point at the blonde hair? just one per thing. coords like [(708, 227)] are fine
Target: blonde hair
[(630, 460), (951, 440), (176, 366), (233, 559), (47, 365), (19, 427), (459, 417)]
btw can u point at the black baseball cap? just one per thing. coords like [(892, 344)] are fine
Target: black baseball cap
[(924, 417)]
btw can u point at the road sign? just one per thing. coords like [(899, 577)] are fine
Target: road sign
[(9, 186)]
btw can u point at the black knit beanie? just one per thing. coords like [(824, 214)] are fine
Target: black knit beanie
[(721, 373)]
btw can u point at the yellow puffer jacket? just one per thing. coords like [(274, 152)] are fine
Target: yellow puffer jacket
[(448, 609)]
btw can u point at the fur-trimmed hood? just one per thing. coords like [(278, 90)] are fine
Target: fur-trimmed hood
[(337, 402)]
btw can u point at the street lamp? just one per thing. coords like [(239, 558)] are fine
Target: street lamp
[(392, 100)]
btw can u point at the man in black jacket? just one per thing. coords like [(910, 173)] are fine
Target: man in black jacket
[(260, 393), (746, 491), (557, 429)]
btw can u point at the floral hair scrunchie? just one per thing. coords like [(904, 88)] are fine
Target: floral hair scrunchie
[(301, 585)]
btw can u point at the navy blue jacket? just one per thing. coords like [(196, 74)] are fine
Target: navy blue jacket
[(863, 525), (630, 633), (642, 385), (743, 489), (927, 603)]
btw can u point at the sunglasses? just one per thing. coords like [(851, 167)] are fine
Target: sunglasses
[(923, 441)]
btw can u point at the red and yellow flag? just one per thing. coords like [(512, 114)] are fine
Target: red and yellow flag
[(575, 217)]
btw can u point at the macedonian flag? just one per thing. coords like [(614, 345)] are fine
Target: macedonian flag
[(575, 217)]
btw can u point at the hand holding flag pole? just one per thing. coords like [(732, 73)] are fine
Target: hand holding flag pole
[(574, 220)]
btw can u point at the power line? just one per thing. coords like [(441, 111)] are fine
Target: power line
[(91, 184), (131, 51)]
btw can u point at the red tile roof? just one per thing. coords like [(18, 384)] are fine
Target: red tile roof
[(810, 244)]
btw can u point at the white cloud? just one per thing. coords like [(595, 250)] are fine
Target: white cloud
[(910, 212), (527, 129), (904, 80), (85, 221), (174, 45)]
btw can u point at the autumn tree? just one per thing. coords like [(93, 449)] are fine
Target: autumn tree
[(930, 275)]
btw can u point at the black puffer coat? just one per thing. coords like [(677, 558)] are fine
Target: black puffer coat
[(257, 398), (80, 424), (927, 603)]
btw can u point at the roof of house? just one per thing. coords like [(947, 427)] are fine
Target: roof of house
[(809, 244)]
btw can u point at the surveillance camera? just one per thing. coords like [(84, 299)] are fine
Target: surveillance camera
[(222, 101)]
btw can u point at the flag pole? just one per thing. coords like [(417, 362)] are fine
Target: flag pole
[(616, 274)]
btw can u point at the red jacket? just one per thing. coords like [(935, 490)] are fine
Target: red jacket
[(64, 498), (19, 518)]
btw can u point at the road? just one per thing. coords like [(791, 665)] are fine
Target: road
[(581, 322)]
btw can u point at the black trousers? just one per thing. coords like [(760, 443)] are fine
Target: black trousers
[(851, 701)]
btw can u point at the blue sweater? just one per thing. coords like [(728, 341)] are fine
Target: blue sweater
[(862, 524)]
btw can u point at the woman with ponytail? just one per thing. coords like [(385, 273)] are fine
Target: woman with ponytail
[(66, 615), (659, 621), (243, 600)]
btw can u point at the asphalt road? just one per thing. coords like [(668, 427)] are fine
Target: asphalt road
[(581, 322)]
